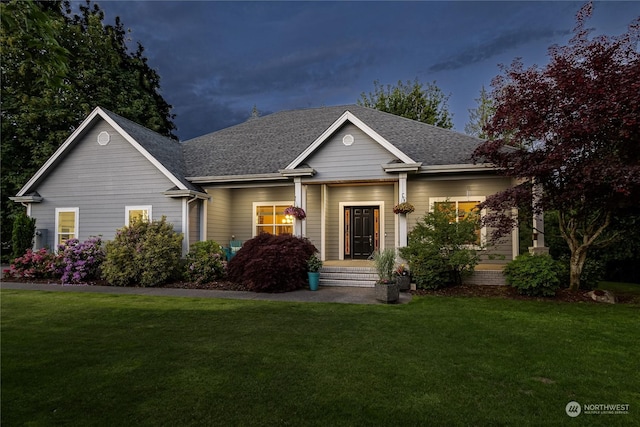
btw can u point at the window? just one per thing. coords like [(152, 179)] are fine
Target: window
[(270, 218), (137, 213), (461, 208), (66, 224)]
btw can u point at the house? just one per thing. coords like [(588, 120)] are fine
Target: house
[(346, 166)]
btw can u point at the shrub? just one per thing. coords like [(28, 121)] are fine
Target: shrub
[(144, 253), (592, 273), (33, 265), (24, 228), (205, 262), (270, 263), (80, 261), (384, 262), (438, 251), (534, 275)]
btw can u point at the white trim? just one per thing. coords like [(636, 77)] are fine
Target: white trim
[(76, 225), (483, 212), (342, 205), (128, 209), (203, 221), (267, 203), (185, 226), (457, 168), (79, 130), (323, 221), (515, 236), (348, 116)]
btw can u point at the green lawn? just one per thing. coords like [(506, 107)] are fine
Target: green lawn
[(95, 359)]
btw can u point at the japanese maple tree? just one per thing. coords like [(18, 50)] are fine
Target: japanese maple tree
[(571, 127)]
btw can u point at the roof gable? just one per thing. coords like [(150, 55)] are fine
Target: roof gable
[(164, 153)]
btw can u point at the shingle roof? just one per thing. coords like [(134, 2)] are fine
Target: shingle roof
[(267, 144), (167, 151)]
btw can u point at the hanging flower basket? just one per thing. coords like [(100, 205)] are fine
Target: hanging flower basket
[(403, 208), (296, 212)]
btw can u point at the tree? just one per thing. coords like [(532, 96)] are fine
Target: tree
[(480, 116), (574, 129), (427, 104), (56, 68)]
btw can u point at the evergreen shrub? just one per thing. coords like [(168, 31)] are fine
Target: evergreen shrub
[(270, 263), (144, 254), (205, 262), (534, 275), (24, 229)]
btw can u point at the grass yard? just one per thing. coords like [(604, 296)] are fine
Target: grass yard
[(116, 360)]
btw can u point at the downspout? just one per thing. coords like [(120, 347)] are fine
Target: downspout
[(185, 225)]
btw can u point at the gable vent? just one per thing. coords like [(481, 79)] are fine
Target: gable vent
[(347, 140), (104, 138)]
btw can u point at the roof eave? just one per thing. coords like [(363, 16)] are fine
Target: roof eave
[(235, 178), (27, 199), (291, 173), (401, 167), (460, 168), (186, 193)]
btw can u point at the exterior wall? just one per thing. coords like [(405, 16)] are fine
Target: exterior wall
[(219, 215), (101, 181), (313, 223), (361, 160), (194, 221), (354, 195), (420, 189), (231, 210)]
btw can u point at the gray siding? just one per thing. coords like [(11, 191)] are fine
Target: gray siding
[(421, 189), (234, 209), (356, 195), (314, 220), (219, 215), (362, 160), (101, 181), (194, 221)]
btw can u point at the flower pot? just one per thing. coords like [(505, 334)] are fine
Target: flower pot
[(387, 292), (404, 282), (314, 280)]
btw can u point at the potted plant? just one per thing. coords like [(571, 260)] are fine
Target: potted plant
[(386, 288), (296, 212), (314, 264), (403, 279), (403, 208)]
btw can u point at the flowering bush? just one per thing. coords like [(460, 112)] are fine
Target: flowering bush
[(33, 265), (205, 262), (403, 208), (295, 212), (80, 261), (144, 254)]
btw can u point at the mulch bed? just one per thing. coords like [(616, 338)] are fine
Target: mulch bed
[(493, 291)]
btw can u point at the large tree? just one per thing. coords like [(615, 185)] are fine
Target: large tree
[(56, 68), (425, 103), (572, 130), (479, 117)]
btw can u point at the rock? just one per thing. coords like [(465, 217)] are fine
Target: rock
[(603, 296)]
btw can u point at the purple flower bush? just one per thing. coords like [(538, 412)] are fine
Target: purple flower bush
[(205, 262), (81, 261)]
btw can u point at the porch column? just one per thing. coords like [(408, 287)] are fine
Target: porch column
[(299, 201), (538, 247), (402, 218)]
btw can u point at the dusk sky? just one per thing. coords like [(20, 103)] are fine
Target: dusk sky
[(219, 59)]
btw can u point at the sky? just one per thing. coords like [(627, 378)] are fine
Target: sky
[(217, 60)]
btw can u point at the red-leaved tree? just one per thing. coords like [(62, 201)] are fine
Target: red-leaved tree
[(573, 128)]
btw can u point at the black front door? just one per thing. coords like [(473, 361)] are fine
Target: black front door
[(362, 232)]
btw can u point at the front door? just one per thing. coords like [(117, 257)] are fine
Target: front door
[(361, 231)]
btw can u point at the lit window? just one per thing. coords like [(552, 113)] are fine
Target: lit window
[(460, 209), (135, 214), (270, 218), (66, 224)]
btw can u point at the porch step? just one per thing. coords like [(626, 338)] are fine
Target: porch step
[(348, 276)]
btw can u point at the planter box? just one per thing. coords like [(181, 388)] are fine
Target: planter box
[(387, 292), (404, 283)]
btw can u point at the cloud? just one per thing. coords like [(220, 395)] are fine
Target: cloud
[(493, 47)]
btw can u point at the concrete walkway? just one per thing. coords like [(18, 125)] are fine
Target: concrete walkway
[(347, 295)]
